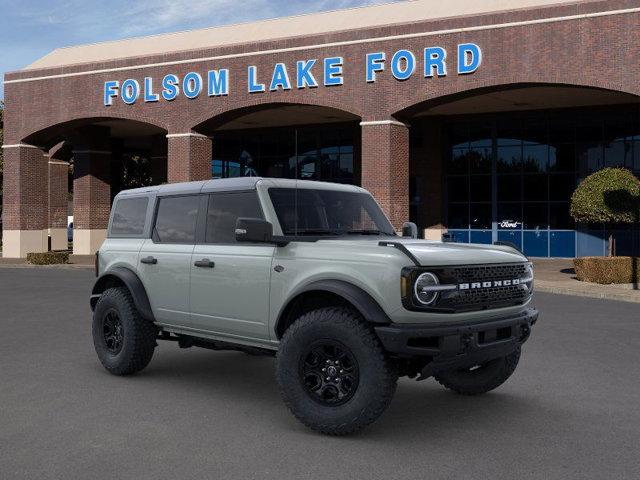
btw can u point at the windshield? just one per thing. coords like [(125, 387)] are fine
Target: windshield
[(328, 212)]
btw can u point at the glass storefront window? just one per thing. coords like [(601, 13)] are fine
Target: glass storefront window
[(510, 158), (538, 159), (324, 152)]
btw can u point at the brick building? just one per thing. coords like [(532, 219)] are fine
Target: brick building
[(476, 118)]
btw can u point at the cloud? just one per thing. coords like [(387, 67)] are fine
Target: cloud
[(123, 18)]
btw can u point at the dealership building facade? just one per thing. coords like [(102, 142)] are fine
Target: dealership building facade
[(476, 119)]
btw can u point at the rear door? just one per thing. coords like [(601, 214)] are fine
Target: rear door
[(164, 263), (229, 280)]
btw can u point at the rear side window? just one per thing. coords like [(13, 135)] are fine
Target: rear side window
[(129, 216), (176, 219), (224, 209)]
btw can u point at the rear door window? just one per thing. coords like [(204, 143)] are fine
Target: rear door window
[(176, 219), (129, 216)]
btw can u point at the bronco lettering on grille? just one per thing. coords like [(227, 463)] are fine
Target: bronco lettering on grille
[(489, 284)]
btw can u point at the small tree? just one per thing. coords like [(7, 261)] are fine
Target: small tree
[(611, 195)]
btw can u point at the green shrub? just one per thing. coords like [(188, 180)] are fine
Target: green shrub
[(607, 270), (48, 258), (611, 195)]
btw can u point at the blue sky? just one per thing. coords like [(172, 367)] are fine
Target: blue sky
[(30, 29)]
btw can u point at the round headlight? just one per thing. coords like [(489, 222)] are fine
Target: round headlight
[(423, 290)]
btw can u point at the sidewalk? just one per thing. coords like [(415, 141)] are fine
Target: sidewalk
[(558, 276), (75, 261)]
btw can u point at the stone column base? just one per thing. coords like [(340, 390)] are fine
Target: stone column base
[(87, 242), (17, 243), (58, 238)]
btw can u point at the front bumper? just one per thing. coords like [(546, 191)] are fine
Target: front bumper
[(448, 346)]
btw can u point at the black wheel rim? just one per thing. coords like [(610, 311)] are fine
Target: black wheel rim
[(112, 332), (329, 373)]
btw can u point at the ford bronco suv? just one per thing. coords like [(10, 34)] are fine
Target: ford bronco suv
[(314, 274)]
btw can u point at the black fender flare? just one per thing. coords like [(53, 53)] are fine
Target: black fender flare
[(366, 305), (132, 282)]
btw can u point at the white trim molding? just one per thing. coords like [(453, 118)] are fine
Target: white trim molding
[(383, 122), (477, 28), (21, 145), (58, 162), (190, 134)]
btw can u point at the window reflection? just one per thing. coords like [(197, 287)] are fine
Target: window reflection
[(323, 153), (538, 159)]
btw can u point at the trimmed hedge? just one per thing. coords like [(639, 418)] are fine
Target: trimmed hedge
[(48, 258), (607, 270), (611, 195)]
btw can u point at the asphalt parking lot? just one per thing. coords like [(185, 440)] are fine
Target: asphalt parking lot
[(569, 411)]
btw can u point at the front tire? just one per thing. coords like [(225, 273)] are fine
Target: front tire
[(123, 340), (333, 373), (481, 378)]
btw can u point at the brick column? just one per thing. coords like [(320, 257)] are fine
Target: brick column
[(385, 167), (58, 190), (189, 157), (91, 188), (159, 159), (25, 199)]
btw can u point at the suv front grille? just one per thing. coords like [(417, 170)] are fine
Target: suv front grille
[(485, 297), (480, 287)]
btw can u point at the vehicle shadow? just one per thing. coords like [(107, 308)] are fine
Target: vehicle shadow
[(420, 411)]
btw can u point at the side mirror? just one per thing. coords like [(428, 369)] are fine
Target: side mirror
[(410, 230), (254, 230)]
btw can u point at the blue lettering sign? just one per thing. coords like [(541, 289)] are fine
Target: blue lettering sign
[(130, 91), (469, 58), (333, 71), (280, 78), (254, 87), (170, 87), (375, 63), (192, 85), (434, 59), (403, 64), (110, 92), (149, 96), (304, 77), (218, 82)]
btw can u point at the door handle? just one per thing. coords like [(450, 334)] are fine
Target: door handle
[(149, 260), (204, 263)]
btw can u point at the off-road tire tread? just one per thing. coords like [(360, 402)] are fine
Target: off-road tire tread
[(504, 368), (386, 373), (141, 334)]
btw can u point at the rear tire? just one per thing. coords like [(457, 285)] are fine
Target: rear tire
[(357, 383), (123, 340), (480, 379)]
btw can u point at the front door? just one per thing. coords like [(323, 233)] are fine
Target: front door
[(164, 263), (229, 280)]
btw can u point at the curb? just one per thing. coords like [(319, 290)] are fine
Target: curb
[(553, 287)]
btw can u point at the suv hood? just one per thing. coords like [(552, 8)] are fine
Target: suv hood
[(432, 253), (429, 253)]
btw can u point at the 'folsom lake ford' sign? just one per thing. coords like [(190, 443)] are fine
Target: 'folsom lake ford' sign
[(310, 73)]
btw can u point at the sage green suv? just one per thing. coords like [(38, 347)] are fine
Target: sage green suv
[(314, 274)]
